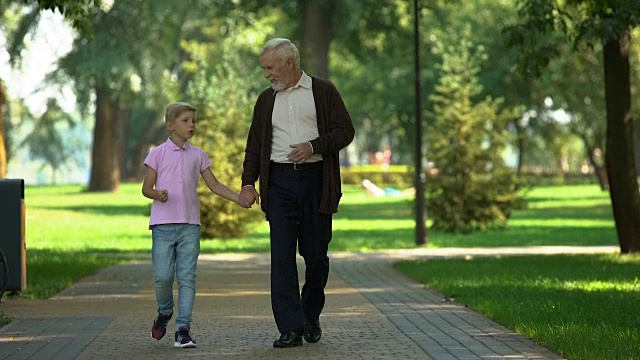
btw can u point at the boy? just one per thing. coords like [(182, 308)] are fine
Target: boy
[(172, 171)]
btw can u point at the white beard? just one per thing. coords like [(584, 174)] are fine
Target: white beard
[(278, 86)]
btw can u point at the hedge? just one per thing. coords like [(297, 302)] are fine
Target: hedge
[(402, 175)]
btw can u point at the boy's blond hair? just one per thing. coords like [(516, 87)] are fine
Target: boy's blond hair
[(176, 109)]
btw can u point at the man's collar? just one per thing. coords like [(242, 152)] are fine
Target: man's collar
[(304, 81)]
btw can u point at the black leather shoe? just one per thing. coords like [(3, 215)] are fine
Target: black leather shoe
[(288, 339), (312, 331)]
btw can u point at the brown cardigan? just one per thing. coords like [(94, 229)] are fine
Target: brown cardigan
[(334, 127)]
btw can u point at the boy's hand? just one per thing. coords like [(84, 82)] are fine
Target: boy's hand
[(162, 196), (248, 196)]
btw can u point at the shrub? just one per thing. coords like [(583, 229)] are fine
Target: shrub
[(473, 188), (223, 122)]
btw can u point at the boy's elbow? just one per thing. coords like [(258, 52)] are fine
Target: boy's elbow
[(215, 188)]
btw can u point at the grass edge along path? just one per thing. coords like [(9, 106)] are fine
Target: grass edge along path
[(579, 306)]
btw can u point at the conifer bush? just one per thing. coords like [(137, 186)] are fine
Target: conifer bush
[(472, 188)]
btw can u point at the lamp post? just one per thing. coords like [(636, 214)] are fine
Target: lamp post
[(419, 177)]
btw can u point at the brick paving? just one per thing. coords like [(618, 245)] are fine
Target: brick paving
[(372, 312)]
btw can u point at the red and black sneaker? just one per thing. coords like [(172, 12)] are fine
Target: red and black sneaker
[(159, 327)]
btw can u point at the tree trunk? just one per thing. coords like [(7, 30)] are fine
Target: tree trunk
[(105, 170), (317, 33), (149, 138), (598, 170), (3, 146), (520, 141), (122, 136), (54, 172), (636, 146), (619, 155)]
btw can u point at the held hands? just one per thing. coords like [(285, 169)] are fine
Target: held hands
[(248, 196), (162, 195), (300, 152)]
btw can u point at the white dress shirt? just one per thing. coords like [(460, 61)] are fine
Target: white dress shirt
[(294, 120)]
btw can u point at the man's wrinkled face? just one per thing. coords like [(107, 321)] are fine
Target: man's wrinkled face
[(276, 70)]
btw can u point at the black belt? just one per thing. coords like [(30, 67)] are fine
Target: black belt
[(296, 167)]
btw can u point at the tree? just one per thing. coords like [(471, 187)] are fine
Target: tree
[(314, 26), (16, 27), (3, 145), (473, 188), (224, 117), (77, 11), (548, 23), (131, 63), (52, 140), (580, 91)]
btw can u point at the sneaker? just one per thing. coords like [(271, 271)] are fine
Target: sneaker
[(159, 327), (183, 338)]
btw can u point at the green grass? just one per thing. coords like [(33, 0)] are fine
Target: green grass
[(49, 271), (582, 307), (70, 234), (65, 218), (559, 215), (67, 228)]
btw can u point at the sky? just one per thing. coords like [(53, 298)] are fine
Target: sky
[(52, 39)]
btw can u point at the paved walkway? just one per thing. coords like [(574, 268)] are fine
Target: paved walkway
[(372, 312)]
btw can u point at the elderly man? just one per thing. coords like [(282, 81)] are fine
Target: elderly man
[(299, 125)]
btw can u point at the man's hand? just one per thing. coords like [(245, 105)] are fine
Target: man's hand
[(248, 196), (300, 152)]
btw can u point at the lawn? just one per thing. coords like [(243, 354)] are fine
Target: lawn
[(574, 305), (582, 307), (558, 215), (69, 228), (65, 218)]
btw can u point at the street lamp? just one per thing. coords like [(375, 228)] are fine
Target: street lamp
[(419, 177)]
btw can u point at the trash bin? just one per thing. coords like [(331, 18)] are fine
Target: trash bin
[(12, 225)]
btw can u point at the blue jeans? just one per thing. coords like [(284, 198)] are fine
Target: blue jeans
[(175, 251)]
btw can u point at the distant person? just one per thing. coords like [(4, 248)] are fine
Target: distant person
[(375, 190), (172, 171), (299, 125), (386, 155)]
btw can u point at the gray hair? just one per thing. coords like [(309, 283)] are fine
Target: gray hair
[(284, 48)]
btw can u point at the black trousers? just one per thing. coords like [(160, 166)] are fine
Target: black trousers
[(294, 219)]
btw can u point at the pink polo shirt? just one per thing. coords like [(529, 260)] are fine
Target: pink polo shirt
[(178, 172)]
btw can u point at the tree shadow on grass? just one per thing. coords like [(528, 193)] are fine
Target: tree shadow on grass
[(518, 232), (595, 212), (536, 199), (404, 209), (404, 238), (110, 210), (396, 210), (62, 255)]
